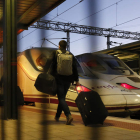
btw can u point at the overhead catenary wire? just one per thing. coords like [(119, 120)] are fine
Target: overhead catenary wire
[(85, 17), (89, 15), (116, 18), (59, 18), (67, 10), (99, 11), (93, 13), (125, 22), (48, 41), (26, 35), (55, 17), (116, 12), (39, 40), (79, 39)]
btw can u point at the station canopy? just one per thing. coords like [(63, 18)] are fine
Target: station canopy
[(29, 11), (127, 52)]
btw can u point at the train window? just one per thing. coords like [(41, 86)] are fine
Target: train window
[(95, 65), (118, 66), (115, 64), (41, 61), (80, 71)]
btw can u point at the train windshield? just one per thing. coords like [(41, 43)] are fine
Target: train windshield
[(107, 65), (95, 65), (115, 64), (79, 68)]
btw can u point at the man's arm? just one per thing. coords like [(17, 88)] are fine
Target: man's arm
[(51, 63)]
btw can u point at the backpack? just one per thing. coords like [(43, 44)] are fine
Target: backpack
[(64, 63)]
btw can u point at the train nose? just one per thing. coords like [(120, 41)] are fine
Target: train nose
[(132, 102)]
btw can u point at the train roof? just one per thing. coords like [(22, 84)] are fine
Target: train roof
[(42, 49), (95, 55)]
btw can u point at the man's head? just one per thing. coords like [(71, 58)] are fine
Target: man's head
[(62, 44)]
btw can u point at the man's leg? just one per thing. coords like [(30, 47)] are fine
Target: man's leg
[(61, 93), (69, 117), (59, 111)]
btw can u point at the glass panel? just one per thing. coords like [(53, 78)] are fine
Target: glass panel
[(95, 65), (79, 68), (115, 64)]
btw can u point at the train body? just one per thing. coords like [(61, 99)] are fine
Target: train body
[(117, 85)]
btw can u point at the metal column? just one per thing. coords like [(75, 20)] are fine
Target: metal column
[(44, 114), (139, 65), (10, 59), (108, 42), (68, 41)]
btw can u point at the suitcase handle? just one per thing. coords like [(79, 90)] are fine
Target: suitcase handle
[(78, 88)]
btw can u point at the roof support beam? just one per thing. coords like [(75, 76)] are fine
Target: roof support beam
[(22, 26), (129, 52), (29, 10), (46, 11)]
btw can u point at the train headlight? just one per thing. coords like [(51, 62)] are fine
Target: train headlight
[(82, 88), (127, 86)]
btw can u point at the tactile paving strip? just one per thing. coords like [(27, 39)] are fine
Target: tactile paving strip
[(77, 118), (126, 125)]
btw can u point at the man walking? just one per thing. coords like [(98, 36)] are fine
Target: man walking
[(65, 71)]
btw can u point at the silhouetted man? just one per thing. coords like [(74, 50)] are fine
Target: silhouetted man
[(65, 71)]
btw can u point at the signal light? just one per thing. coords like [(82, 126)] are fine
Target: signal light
[(127, 86), (82, 88)]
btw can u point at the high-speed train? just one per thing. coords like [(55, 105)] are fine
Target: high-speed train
[(117, 85)]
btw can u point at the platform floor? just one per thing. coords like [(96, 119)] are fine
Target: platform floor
[(32, 127)]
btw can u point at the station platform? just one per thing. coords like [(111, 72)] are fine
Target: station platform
[(34, 125)]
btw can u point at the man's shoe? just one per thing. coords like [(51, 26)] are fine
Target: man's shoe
[(56, 119), (69, 120)]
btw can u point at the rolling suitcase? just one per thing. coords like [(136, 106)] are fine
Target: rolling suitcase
[(91, 108)]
